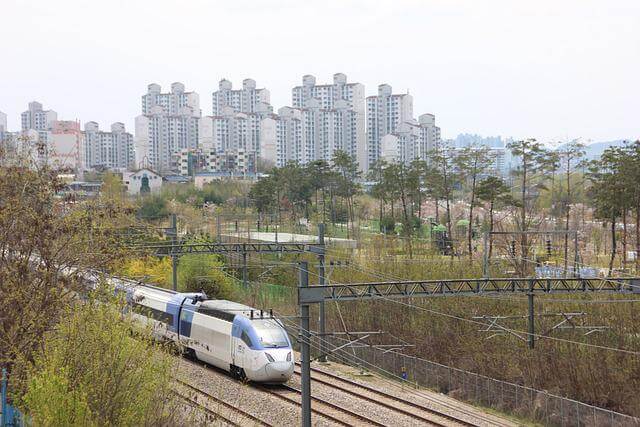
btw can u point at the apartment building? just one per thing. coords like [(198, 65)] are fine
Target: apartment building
[(169, 123), (385, 112), (37, 118), (107, 150), (412, 140), (335, 116), (249, 99)]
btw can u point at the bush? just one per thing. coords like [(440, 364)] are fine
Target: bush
[(203, 272), (150, 269), (93, 371), (153, 206), (388, 225)]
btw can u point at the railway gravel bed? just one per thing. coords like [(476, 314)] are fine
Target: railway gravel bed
[(418, 414), (270, 409), (217, 409), (382, 415), (332, 404), (419, 401), (334, 412)]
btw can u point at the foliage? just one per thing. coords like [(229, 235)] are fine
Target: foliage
[(41, 237), (388, 224), (292, 189), (203, 272), (149, 269), (196, 272), (153, 206), (93, 371)]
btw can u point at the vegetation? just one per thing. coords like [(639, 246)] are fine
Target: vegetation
[(92, 371), (417, 221), (200, 272), (70, 363)]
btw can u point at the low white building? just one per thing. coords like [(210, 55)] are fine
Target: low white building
[(142, 181)]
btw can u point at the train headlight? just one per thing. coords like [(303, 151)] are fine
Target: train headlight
[(269, 357), (289, 357)]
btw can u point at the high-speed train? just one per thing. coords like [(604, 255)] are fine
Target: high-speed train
[(244, 341)]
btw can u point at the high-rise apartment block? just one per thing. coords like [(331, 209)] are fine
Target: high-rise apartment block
[(108, 150), (334, 117), (168, 124), (238, 121), (249, 99), (385, 112), (234, 131), (412, 140), (38, 119), (3, 122)]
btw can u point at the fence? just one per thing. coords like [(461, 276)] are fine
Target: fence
[(9, 415), (507, 397)]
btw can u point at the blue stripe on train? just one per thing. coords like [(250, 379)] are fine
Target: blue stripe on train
[(177, 301)]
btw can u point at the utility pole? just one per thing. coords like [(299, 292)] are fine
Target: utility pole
[(303, 339), (174, 256), (321, 312), (532, 331)]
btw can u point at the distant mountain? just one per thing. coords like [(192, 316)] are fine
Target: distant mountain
[(595, 149), (467, 139)]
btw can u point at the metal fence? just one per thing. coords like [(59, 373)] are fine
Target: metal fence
[(507, 397)]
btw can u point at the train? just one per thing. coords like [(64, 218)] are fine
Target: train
[(246, 342)]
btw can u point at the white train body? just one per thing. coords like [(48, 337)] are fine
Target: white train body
[(231, 336)]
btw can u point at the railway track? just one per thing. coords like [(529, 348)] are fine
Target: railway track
[(219, 402), (398, 404), (335, 413)]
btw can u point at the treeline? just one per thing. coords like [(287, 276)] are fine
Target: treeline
[(544, 184), (615, 193), (326, 190)]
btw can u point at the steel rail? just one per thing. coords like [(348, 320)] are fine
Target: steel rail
[(387, 396), (223, 403), (333, 406), (208, 411)]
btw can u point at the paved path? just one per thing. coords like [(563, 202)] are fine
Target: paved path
[(291, 238)]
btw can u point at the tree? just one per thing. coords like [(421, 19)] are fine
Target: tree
[(494, 190), (570, 157), (397, 177), (379, 189), (41, 237), (472, 162), (608, 192), (347, 187), (443, 179), (319, 173), (532, 156)]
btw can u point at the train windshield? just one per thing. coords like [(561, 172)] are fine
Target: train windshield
[(270, 334)]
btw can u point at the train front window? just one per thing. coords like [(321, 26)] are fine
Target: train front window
[(270, 334)]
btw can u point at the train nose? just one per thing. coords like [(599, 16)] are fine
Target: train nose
[(280, 370)]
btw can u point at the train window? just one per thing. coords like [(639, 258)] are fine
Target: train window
[(153, 313), (270, 334), (245, 338), (219, 314)]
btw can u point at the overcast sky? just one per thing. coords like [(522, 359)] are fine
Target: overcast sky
[(546, 69)]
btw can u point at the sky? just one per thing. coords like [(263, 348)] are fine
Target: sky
[(551, 70)]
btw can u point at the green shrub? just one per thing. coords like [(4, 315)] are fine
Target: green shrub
[(94, 371), (204, 272), (388, 225)]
